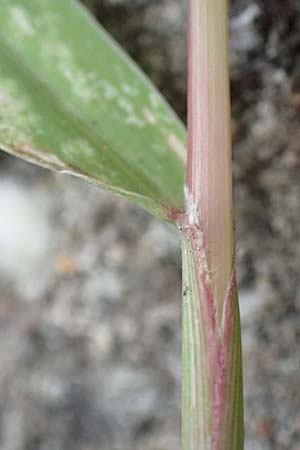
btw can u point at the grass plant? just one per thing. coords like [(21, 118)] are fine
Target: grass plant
[(71, 100)]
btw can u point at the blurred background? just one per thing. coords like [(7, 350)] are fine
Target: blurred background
[(90, 285)]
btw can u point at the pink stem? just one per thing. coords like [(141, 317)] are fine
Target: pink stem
[(209, 177), (209, 191)]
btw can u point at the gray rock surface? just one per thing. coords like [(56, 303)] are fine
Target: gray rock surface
[(90, 301)]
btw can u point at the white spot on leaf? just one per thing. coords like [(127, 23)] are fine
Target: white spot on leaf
[(129, 90), (134, 121), (109, 91), (125, 105), (77, 147), (22, 21), (17, 119), (150, 117), (177, 146)]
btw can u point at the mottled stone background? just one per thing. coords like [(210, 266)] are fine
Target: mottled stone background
[(90, 285)]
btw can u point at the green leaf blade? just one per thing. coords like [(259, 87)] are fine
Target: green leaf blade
[(70, 99)]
